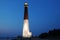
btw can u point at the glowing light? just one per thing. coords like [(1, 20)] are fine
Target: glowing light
[(26, 3)]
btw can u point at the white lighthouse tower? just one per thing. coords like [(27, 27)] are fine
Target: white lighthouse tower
[(26, 32)]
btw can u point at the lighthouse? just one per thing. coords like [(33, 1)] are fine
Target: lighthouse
[(26, 31)]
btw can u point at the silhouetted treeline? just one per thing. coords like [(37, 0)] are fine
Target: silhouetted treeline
[(51, 34)]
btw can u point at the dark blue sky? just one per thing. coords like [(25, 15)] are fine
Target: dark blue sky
[(44, 15)]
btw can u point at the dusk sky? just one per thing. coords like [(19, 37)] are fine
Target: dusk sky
[(44, 15)]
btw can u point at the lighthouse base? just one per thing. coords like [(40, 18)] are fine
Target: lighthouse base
[(26, 32)]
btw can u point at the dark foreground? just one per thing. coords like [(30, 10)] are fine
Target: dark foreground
[(30, 39), (34, 39)]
